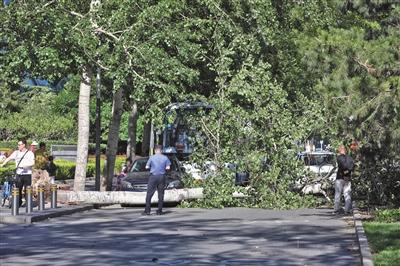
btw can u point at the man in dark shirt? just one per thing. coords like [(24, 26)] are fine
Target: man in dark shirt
[(343, 180), (158, 164)]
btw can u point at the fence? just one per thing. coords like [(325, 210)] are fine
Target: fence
[(65, 152)]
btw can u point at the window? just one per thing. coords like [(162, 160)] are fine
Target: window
[(139, 165)]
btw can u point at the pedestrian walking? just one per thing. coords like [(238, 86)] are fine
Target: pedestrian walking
[(24, 161), (158, 165), (343, 180)]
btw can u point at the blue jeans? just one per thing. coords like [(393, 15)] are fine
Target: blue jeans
[(156, 182)]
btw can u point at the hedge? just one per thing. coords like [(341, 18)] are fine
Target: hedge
[(6, 171), (11, 145), (66, 169)]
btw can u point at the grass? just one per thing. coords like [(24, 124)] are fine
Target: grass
[(384, 240)]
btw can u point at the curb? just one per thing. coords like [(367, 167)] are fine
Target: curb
[(365, 251), (43, 215)]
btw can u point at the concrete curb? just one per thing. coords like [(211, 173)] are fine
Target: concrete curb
[(43, 215), (365, 252)]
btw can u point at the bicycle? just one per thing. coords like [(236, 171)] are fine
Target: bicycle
[(6, 195)]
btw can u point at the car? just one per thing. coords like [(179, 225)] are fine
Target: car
[(321, 162), (138, 176), (321, 168)]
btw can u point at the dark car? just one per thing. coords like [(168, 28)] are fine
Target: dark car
[(138, 176)]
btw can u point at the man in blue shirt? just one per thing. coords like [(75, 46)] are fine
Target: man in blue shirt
[(158, 164)]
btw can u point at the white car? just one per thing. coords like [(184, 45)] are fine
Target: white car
[(321, 163), (322, 166)]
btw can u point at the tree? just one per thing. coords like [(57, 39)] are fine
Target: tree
[(112, 143), (132, 127), (334, 73), (83, 132), (38, 118), (354, 69), (27, 33)]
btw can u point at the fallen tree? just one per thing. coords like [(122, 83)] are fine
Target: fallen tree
[(126, 197), (130, 197)]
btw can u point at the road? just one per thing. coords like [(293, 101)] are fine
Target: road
[(230, 236)]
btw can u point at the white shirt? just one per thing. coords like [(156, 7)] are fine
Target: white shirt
[(27, 162)]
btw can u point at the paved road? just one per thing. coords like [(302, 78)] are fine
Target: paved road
[(231, 236)]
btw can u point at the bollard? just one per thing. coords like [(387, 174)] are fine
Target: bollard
[(53, 196), (29, 204), (41, 198), (15, 202)]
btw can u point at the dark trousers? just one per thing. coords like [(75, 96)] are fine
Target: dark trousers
[(156, 182), (22, 182)]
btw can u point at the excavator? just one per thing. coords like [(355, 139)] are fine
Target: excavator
[(177, 131)]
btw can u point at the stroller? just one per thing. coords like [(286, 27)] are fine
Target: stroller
[(8, 185)]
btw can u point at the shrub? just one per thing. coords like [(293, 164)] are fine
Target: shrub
[(388, 216), (6, 171), (66, 169)]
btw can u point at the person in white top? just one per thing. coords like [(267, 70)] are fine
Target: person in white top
[(24, 161)]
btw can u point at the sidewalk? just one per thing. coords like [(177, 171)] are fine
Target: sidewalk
[(62, 209), (6, 216)]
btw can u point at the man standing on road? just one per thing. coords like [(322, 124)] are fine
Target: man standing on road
[(158, 164), (24, 161), (343, 180)]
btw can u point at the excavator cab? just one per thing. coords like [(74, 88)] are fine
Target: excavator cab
[(177, 133)]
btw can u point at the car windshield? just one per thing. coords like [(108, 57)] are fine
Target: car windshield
[(139, 165), (311, 159)]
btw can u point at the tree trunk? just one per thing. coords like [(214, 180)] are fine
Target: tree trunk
[(128, 197), (146, 139), (112, 142), (83, 130), (132, 125), (131, 197)]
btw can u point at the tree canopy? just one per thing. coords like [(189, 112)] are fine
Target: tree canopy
[(277, 72)]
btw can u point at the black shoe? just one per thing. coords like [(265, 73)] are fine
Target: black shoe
[(145, 213), (160, 213), (338, 212)]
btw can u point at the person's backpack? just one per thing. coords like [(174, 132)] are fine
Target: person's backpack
[(347, 167)]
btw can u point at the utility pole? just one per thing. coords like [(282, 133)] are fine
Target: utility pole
[(98, 130)]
